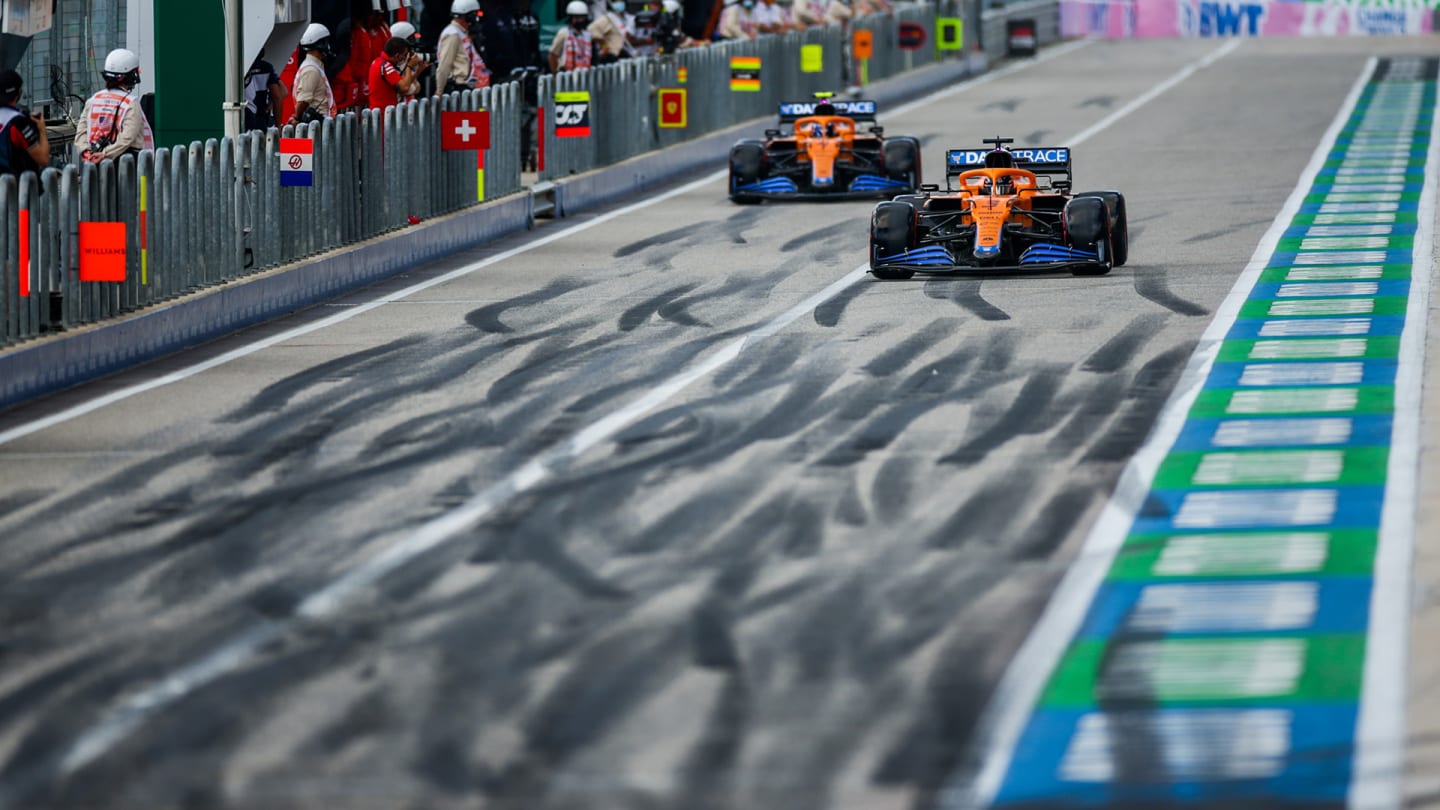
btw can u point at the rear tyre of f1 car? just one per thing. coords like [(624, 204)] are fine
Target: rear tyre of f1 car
[(1119, 224), (1087, 227), (747, 165), (892, 229), (902, 160)]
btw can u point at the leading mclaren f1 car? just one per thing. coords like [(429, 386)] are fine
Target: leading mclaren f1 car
[(823, 154), (1002, 210)]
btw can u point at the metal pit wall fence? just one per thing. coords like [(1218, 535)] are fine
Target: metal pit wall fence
[(212, 212), (623, 96)]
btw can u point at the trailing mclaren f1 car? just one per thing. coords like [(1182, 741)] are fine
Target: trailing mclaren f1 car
[(824, 155), (1002, 210)]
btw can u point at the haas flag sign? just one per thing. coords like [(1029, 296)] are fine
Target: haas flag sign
[(297, 160)]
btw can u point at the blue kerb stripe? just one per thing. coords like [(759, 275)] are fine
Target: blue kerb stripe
[(1318, 770), (1340, 607), (1365, 430)]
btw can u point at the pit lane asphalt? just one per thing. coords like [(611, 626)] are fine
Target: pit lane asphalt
[(791, 586)]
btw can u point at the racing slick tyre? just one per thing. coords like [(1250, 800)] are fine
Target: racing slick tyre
[(1119, 224), (747, 164), (902, 160), (892, 227), (1087, 227)]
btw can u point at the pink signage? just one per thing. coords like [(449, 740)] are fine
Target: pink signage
[(1121, 19)]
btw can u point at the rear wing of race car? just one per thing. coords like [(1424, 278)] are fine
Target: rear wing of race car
[(792, 111), (1052, 162)]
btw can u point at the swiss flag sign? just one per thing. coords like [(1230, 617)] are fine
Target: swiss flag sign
[(673, 112), (462, 131)]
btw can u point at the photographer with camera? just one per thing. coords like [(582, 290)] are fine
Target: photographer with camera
[(422, 58), (24, 143), (669, 37), (314, 100), (114, 123), (392, 75)]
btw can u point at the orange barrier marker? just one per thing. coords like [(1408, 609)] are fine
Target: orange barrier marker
[(102, 251)]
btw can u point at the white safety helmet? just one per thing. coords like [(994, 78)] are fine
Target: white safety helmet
[(577, 8), (403, 30), (315, 38), (671, 6), (463, 7), (122, 66)]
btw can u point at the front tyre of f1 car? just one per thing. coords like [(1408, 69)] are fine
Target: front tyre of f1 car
[(902, 160), (892, 232), (747, 165), (1119, 224), (1087, 227)]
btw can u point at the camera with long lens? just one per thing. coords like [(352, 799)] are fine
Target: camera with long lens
[(667, 33)]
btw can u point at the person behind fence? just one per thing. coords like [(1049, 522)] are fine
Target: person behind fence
[(392, 75), (314, 100), (458, 65), (771, 18), (264, 96), (669, 34), (573, 48), (737, 21), (423, 59), (611, 31), (807, 13), (24, 142), (114, 123), (838, 12)]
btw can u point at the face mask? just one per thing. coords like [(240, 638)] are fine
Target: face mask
[(618, 8), (578, 22), (748, 4)]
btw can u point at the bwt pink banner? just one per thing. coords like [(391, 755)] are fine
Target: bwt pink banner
[(1122, 19)]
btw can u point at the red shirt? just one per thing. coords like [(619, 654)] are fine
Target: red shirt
[(384, 80)]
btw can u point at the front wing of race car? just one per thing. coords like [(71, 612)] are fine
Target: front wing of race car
[(940, 259), (860, 187)]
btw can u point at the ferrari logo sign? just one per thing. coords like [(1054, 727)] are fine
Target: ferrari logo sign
[(464, 131), (674, 112)]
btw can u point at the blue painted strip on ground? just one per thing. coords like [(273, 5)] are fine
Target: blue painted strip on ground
[(1340, 606), (1379, 326), (1343, 188), (1390, 229), (1316, 768), (1356, 507), (1382, 256), (1403, 206), (1372, 372), (1366, 430)]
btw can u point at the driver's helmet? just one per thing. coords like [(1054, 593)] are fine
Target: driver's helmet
[(999, 159), (830, 129), (1005, 185)]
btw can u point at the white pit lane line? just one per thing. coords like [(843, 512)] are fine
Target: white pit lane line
[(131, 713)]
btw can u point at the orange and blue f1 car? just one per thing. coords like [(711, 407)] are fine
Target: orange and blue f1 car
[(1002, 210), (821, 153)]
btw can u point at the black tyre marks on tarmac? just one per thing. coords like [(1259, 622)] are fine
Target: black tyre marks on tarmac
[(566, 629)]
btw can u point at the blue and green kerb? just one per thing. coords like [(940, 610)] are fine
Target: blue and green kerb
[(1221, 662)]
